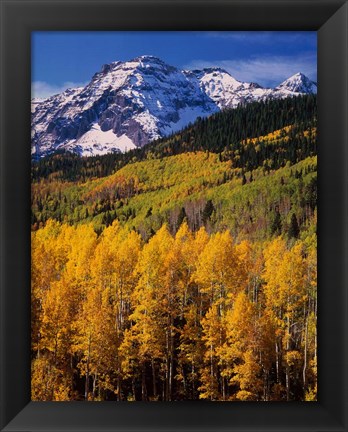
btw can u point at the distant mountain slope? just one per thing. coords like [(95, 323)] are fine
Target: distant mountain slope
[(128, 104)]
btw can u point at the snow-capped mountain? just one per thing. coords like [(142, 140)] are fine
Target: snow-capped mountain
[(298, 83), (227, 92), (224, 90), (128, 104)]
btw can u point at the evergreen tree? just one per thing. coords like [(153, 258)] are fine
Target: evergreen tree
[(181, 217), (294, 229), (208, 211), (276, 226)]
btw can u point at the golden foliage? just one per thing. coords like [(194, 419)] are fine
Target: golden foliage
[(184, 316)]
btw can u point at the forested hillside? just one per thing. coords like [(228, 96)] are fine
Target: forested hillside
[(223, 133), (182, 270)]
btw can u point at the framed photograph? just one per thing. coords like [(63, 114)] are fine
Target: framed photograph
[(184, 196)]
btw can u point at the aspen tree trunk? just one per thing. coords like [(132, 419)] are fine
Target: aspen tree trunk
[(154, 379), (94, 385), (119, 392), (305, 356), (170, 379), (277, 361), (163, 391), (287, 371), (287, 381), (171, 361), (87, 369), (167, 367), (184, 380), (133, 388), (223, 389), (71, 372), (266, 386), (143, 384)]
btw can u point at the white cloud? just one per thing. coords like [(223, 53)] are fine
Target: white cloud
[(268, 71), (43, 89)]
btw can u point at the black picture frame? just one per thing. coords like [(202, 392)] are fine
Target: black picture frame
[(18, 19)]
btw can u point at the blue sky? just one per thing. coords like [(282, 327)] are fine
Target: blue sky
[(69, 59)]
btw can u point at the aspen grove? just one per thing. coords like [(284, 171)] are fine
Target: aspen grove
[(189, 316)]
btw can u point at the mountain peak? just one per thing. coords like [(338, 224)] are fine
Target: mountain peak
[(299, 75), (215, 69), (148, 58), (144, 60), (298, 83), (199, 73)]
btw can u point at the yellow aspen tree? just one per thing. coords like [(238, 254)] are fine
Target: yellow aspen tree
[(309, 343), (151, 299), (113, 273), (129, 361), (83, 244), (96, 344), (47, 264), (201, 238), (50, 248), (56, 336), (171, 309), (63, 300), (126, 259), (247, 377), (187, 248), (105, 296), (190, 352), (286, 296), (273, 254), (293, 277), (46, 380), (183, 249), (218, 271), (240, 352), (212, 329), (219, 276), (251, 263), (266, 336)]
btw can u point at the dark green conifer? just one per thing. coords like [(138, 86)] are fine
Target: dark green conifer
[(294, 229)]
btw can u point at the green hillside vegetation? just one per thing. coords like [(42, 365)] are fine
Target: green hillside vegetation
[(254, 187), (197, 187)]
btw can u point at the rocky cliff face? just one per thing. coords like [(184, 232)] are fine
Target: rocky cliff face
[(128, 104)]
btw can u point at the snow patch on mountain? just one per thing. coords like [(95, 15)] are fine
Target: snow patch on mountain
[(98, 142), (186, 116)]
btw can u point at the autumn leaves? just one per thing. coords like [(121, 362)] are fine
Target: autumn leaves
[(189, 316)]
